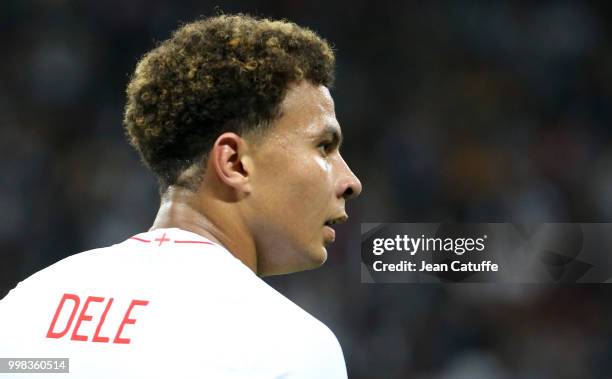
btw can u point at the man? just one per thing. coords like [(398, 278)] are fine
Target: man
[(234, 116)]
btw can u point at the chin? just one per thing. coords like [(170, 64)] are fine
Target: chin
[(317, 257)]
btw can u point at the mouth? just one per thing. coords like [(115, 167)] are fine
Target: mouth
[(342, 218), (330, 234)]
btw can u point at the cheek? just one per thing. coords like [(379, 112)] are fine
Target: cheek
[(324, 166), (308, 203), (311, 182), (295, 188), (305, 191)]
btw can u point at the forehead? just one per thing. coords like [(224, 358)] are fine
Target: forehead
[(307, 110)]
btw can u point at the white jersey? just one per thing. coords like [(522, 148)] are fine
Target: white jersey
[(164, 304)]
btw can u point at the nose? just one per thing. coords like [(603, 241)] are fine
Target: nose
[(349, 186)]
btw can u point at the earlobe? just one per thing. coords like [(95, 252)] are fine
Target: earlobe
[(228, 154)]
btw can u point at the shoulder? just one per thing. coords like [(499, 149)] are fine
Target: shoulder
[(287, 333), (196, 292)]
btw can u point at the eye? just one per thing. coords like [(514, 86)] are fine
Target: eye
[(326, 147)]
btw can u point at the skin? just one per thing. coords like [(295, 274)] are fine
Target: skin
[(267, 197)]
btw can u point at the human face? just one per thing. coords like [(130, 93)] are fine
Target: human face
[(299, 183)]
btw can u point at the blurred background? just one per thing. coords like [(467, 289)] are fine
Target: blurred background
[(452, 111)]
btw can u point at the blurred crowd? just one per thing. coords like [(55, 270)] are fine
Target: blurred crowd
[(451, 111)]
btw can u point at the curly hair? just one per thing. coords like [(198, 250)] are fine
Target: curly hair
[(218, 74)]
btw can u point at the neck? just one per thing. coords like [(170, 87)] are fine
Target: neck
[(200, 214)]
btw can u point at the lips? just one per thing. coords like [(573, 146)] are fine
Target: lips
[(330, 234), (337, 220)]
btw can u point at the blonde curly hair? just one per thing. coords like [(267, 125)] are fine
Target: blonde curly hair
[(224, 73)]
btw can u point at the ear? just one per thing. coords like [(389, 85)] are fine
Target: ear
[(228, 157)]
